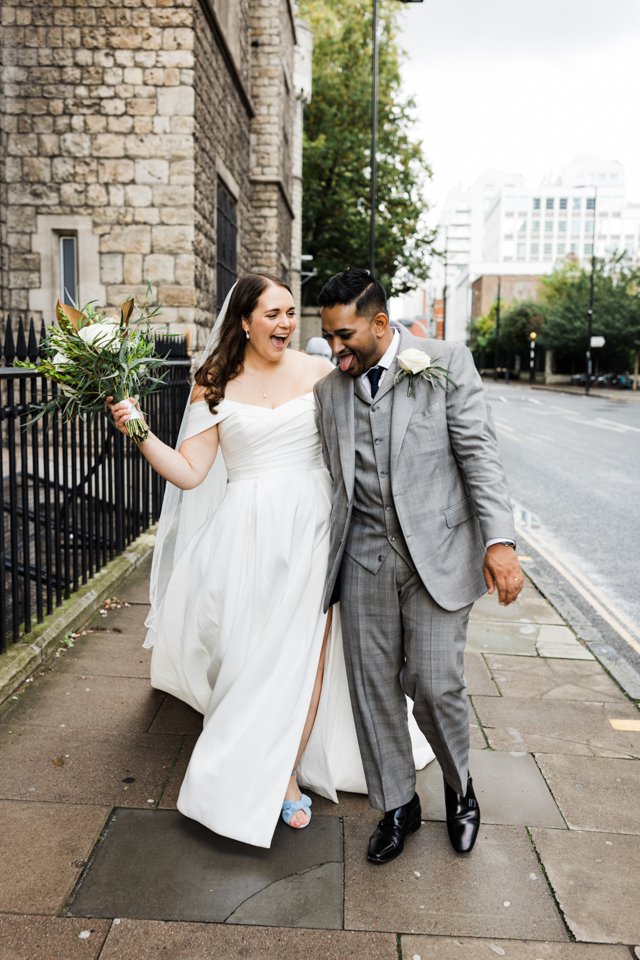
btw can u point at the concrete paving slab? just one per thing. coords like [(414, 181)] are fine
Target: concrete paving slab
[(125, 619), (349, 805), (159, 865), (105, 654), (493, 636), (311, 899), (43, 848), (534, 678), (477, 739), (463, 948), (125, 706), (174, 716), (63, 766), (169, 797), (51, 938), (550, 726), (530, 607), (497, 891), (477, 676), (510, 790), (136, 588), (560, 641), (594, 879), (595, 793), (149, 940)]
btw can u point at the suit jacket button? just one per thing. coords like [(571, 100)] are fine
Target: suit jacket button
[(380, 558)]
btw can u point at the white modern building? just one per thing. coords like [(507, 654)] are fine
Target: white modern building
[(501, 226)]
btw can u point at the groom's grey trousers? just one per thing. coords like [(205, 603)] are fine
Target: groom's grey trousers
[(397, 640)]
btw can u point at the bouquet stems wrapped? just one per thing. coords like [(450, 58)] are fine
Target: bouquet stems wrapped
[(92, 356)]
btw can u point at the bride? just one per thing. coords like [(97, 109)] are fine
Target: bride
[(236, 622)]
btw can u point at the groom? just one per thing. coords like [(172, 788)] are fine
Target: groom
[(421, 527)]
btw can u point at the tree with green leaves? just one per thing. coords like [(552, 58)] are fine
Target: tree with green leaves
[(616, 310), (336, 159)]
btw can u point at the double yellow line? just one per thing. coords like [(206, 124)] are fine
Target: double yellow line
[(597, 600)]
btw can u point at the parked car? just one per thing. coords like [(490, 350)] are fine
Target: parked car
[(618, 381), (580, 379)]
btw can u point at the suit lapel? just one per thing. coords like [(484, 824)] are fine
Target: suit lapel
[(343, 389), (403, 405)]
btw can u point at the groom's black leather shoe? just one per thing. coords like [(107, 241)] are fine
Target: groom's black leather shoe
[(463, 818), (387, 840)]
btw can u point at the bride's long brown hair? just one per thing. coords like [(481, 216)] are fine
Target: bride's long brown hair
[(227, 360)]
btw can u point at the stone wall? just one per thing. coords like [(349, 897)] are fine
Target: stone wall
[(120, 117)]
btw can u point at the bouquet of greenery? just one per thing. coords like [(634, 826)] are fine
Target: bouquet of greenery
[(92, 356)]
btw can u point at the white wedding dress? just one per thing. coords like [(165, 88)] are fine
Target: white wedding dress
[(240, 628)]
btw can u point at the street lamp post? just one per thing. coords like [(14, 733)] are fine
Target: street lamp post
[(374, 136), (533, 336), (587, 358), (496, 340)]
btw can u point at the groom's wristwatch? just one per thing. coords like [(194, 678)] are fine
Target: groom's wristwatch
[(507, 543)]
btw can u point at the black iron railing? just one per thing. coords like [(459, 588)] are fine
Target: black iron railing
[(73, 495)]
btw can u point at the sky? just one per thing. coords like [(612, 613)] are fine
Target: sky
[(523, 86)]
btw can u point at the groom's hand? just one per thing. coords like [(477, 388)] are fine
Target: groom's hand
[(502, 572)]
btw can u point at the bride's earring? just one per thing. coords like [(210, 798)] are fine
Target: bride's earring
[(246, 333)]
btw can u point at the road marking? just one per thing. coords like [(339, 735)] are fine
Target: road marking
[(596, 599), (621, 426), (504, 399), (509, 432), (631, 726), (533, 400)]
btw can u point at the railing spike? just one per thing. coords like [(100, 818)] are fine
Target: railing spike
[(9, 345), (32, 344), (43, 333), (21, 342)]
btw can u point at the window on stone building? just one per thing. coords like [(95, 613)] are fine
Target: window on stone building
[(563, 203), (549, 203), (226, 243), (68, 259), (536, 203)]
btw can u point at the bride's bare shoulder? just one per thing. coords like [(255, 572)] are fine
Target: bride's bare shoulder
[(312, 366), (197, 394)]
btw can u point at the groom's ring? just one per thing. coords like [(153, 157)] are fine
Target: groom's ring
[(516, 579)]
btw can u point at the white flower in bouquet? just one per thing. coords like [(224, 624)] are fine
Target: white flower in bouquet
[(91, 356), (104, 334)]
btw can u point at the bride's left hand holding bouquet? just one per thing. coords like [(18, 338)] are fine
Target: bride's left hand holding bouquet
[(95, 356)]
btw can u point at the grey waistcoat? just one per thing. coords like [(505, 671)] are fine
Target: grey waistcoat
[(374, 528)]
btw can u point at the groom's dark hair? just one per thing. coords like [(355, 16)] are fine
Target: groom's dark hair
[(357, 286)]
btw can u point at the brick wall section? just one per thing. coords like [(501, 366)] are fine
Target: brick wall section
[(222, 132), (272, 42), (97, 102), (121, 112)]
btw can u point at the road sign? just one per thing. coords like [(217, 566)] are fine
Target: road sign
[(597, 341)]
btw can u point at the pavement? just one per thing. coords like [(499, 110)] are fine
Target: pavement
[(623, 396), (95, 861)]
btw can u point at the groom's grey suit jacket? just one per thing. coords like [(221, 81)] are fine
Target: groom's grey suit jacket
[(446, 479)]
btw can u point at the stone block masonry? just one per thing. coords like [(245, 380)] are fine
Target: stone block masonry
[(120, 121)]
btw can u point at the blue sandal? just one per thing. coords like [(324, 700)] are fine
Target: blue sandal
[(291, 807)]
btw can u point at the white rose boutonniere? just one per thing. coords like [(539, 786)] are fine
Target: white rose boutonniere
[(416, 363)]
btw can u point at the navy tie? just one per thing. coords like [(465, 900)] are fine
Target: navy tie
[(373, 376)]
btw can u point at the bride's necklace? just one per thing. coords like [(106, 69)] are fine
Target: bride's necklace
[(265, 396)]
